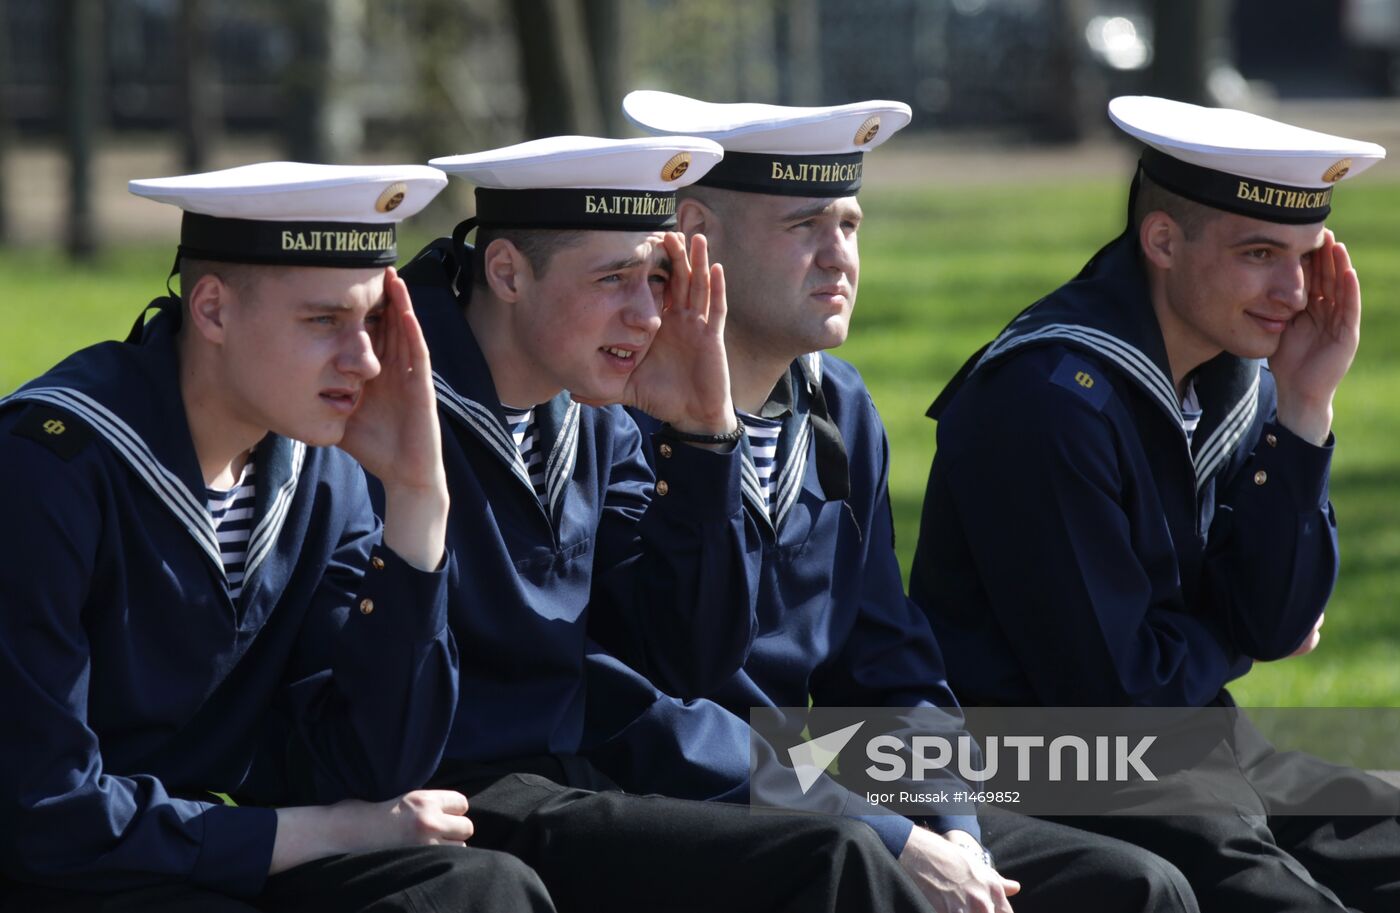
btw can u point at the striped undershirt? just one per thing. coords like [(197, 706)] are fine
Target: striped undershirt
[(232, 513), (763, 446), (521, 424), (1190, 411)]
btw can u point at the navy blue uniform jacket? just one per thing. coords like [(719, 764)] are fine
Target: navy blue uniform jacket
[(131, 685), (1075, 550), (833, 619), (528, 567)]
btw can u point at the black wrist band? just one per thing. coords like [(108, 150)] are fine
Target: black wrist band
[(729, 437)]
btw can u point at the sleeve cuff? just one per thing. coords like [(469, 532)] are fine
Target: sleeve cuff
[(1281, 458), (236, 852), (397, 601), (701, 483), (893, 831), (942, 824)]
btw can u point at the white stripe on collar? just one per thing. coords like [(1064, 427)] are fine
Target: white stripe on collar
[(1216, 449), (752, 489), (484, 423), (1222, 442), (793, 471), (562, 458), (166, 486), (265, 534), (1128, 357)]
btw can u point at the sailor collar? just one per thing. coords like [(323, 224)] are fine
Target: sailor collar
[(1106, 310), (127, 393), (798, 400), (467, 393)]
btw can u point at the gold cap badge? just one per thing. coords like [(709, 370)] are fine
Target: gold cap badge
[(1337, 171), (867, 130), (392, 196), (675, 166)]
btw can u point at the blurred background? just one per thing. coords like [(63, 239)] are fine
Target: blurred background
[(1008, 179), (186, 85)]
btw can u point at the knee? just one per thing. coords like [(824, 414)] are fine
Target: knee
[(1142, 880), (849, 836), (489, 880)]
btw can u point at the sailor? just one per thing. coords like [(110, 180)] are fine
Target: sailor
[(835, 626), (197, 600), (577, 295), (1128, 506)]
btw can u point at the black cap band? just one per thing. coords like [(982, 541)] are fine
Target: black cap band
[(342, 244), (1232, 193), (788, 175), (576, 209)]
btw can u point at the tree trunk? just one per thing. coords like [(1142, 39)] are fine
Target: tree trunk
[(1180, 63), (82, 43), (4, 117), (555, 68), (323, 123), (200, 113), (607, 44), (797, 43)]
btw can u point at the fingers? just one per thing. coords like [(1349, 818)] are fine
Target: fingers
[(454, 829), (450, 801), (1328, 258), (1348, 312), (402, 318), (719, 303), (1010, 887), (699, 276), (678, 288), (440, 815)]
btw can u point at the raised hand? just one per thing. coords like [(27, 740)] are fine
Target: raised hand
[(684, 377), (394, 433), (1316, 350)]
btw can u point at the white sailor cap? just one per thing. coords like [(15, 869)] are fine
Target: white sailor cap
[(1241, 162), (776, 149), (294, 213), (583, 182)]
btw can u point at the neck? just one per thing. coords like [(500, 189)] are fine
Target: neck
[(517, 381), (1186, 350), (223, 439), (754, 370)]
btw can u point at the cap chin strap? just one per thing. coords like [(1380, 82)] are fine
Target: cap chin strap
[(169, 303), (463, 279)]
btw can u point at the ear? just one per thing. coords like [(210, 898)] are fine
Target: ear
[(695, 218), (1160, 237), (206, 306), (507, 270)]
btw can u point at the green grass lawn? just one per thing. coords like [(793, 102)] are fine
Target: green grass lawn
[(943, 270)]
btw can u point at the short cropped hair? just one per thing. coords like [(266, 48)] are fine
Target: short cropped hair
[(538, 245), (239, 275), (1153, 197)]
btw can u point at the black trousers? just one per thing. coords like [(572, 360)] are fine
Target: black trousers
[(432, 879), (599, 849), (1063, 869), (1256, 856)]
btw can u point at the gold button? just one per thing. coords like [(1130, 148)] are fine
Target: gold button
[(1261, 477), (377, 563), (666, 451), (662, 488), (366, 606), (1271, 440)]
